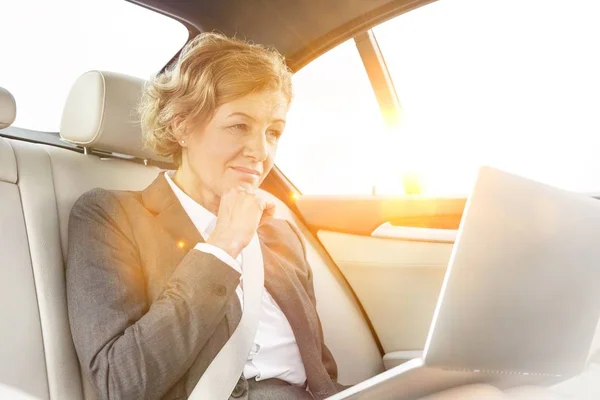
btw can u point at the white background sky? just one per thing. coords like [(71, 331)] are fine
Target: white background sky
[(513, 83), (46, 45)]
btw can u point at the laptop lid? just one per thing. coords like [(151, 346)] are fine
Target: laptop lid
[(522, 290)]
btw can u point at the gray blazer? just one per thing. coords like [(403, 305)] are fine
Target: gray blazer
[(148, 313)]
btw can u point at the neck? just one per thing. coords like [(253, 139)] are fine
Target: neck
[(190, 185)]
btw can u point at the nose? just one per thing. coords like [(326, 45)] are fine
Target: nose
[(257, 147)]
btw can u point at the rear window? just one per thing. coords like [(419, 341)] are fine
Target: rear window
[(46, 45)]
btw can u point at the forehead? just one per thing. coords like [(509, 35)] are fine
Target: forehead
[(265, 105)]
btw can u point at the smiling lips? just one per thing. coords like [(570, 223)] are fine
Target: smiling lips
[(247, 171)]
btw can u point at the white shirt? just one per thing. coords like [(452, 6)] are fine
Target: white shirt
[(275, 353)]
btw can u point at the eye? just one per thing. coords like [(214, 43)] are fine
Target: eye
[(239, 128), (274, 134)]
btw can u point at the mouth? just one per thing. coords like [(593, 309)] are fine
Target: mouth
[(247, 171)]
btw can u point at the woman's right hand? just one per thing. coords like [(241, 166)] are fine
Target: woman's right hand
[(240, 213)]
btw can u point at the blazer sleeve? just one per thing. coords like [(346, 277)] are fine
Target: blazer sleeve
[(326, 356), (128, 348)]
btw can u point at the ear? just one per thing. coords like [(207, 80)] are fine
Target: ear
[(179, 127)]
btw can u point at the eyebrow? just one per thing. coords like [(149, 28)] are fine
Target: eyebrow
[(251, 117)]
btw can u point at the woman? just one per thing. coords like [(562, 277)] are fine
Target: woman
[(153, 277)]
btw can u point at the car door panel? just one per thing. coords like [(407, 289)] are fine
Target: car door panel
[(393, 253), (396, 281), (363, 214)]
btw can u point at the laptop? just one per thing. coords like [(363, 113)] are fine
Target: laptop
[(520, 300)]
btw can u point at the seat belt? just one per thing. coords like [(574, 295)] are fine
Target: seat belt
[(223, 373)]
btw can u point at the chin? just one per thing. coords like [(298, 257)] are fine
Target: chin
[(245, 185)]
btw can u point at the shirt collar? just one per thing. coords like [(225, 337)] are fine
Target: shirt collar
[(203, 219)]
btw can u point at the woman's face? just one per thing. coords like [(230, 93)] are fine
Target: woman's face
[(236, 147)]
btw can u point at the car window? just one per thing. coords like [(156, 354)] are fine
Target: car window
[(334, 127), (60, 40), (512, 84)]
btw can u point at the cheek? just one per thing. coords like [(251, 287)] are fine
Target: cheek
[(270, 161), (271, 158), (198, 158), (213, 155), (272, 153), (206, 164)]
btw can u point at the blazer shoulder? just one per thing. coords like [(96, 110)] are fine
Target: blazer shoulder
[(111, 206), (100, 198)]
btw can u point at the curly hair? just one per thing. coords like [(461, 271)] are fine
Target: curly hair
[(211, 70)]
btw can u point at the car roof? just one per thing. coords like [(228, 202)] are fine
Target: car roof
[(300, 29)]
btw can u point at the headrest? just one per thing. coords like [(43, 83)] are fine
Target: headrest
[(100, 113), (8, 108)]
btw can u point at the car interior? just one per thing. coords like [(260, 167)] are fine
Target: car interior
[(378, 261)]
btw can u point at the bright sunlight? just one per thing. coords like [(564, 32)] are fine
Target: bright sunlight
[(512, 84)]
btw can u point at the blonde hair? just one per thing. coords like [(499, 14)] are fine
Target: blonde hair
[(211, 70)]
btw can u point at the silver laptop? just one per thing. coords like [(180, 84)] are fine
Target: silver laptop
[(520, 300)]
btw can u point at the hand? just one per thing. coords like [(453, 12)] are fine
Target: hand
[(240, 213)]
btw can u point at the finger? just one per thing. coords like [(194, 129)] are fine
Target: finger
[(247, 188), (264, 201), (231, 192), (268, 213), (269, 208)]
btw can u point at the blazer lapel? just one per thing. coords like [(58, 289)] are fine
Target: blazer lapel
[(182, 233), (160, 199), (291, 296)]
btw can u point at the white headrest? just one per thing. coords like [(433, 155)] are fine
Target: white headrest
[(100, 113), (8, 108)]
